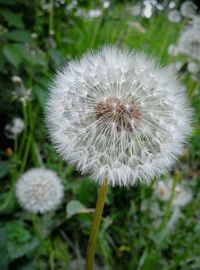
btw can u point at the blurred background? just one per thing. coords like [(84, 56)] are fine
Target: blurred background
[(146, 227)]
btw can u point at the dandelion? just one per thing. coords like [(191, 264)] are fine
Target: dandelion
[(13, 129), (16, 79), (34, 35), (39, 190), (172, 50), (188, 9), (182, 196), (136, 10), (189, 43), (193, 67), (21, 94), (162, 190), (94, 13), (174, 16), (116, 114)]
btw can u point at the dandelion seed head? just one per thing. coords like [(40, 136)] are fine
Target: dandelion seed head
[(16, 79), (118, 114), (174, 16), (183, 196), (189, 43), (193, 67), (162, 191), (13, 129), (172, 50), (39, 190), (188, 9)]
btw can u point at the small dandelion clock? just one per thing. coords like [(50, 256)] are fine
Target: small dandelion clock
[(39, 191), (119, 117)]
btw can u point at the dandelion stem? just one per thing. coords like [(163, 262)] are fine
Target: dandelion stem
[(95, 225)]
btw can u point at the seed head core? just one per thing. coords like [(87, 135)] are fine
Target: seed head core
[(125, 115)]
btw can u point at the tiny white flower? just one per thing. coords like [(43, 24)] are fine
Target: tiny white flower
[(182, 196), (174, 16), (13, 129), (188, 9), (118, 115), (189, 43), (136, 10), (21, 94), (162, 190), (105, 3), (94, 13), (16, 79), (39, 190), (172, 50), (193, 67), (34, 35)]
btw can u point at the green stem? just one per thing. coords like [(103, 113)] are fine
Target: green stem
[(192, 90), (95, 225), (169, 205), (51, 258), (42, 242), (51, 15), (25, 130)]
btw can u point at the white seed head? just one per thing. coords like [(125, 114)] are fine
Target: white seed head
[(172, 50), (16, 79), (39, 190), (21, 94), (189, 43), (188, 9), (118, 115), (182, 195), (193, 67), (13, 129), (94, 13), (136, 10), (174, 16), (162, 190)]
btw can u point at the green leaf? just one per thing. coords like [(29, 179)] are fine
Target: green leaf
[(20, 240), (41, 94), (4, 261), (14, 53), (2, 61), (4, 168), (75, 207), (12, 18), (18, 35)]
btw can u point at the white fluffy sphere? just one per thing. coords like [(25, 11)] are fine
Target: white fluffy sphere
[(174, 16), (189, 43), (118, 115), (39, 190), (188, 9)]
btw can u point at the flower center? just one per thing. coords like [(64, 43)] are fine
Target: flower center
[(125, 115)]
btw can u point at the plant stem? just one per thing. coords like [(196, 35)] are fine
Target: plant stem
[(95, 225), (169, 205), (51, 14), (37, 231)]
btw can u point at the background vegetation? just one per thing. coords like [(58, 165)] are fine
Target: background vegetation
[(139, 230)]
